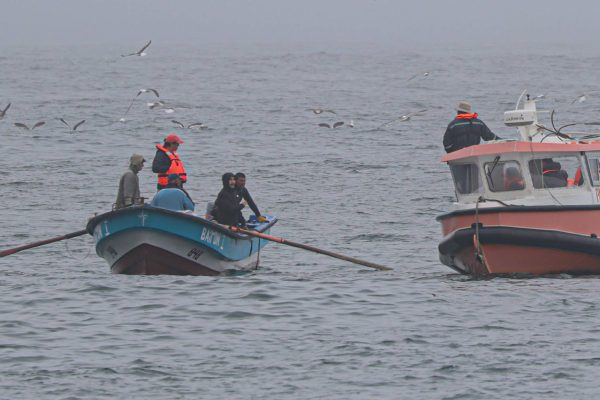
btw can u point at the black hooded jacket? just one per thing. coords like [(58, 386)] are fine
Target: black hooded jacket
[(244, 194), (228, 205)]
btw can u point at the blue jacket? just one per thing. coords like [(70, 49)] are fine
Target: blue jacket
[(172, 199)]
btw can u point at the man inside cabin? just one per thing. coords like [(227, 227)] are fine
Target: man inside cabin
[(466, 129), (242, 191), (173, 196), (129, 185), (552, 175), (228, 207), (513, 179), (167, 161)]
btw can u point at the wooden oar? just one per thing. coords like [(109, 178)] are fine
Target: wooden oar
[(14, 250), (310, 248)]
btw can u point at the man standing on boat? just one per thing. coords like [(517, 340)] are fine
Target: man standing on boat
[(173, 196), (129, 185), (466, 129), (167, 161)]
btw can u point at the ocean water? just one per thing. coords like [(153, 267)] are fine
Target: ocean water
[(303, 326)]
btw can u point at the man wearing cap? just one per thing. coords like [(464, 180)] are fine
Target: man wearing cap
[(466, 129), (129, 185), (166, 161), (173, 196)]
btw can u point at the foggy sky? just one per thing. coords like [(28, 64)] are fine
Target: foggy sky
[(398, 24)]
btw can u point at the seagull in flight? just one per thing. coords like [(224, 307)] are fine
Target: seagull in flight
[(424, 75), (335, 125), (583, 97), (36, 125), (580, 99), (149, 90), (199, 125), (403, 118), (140, 52), (320, 110), (74, 128), (3, 112), (155, 104), (160, 104)]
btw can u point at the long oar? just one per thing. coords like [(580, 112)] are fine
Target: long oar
[(310, 248), (41, 243)]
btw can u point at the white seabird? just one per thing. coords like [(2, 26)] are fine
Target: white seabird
[(140, 52), (335, 125), (320, 110), (74, 128), (190, 126), (22, 125), (424, 75), (3, 112), (403, 118), (149, 90)]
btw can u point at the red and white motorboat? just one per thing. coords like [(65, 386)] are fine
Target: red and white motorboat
[(528, 206)]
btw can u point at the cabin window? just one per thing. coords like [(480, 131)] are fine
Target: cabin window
[(593, 160), (504, 176), (466, 178), (555, 172)]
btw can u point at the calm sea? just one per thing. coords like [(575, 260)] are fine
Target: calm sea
[(303, 326)]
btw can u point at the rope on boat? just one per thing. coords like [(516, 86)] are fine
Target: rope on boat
[(478, 253), (258, 255)]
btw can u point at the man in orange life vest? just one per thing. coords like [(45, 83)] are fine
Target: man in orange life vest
[(166, 161), (466, 129)]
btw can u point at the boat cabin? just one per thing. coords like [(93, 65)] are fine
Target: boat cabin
[(527, 173)]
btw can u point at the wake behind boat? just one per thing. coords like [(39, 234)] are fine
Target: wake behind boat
[(524, 207), (146, 240)]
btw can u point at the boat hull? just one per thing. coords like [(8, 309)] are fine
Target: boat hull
[(150, 241), (152, 253), (519, 251), (535, 240)]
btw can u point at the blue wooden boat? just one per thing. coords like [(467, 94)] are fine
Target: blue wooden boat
[(146, 240)]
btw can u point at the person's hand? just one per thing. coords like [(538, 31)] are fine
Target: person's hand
[(262, 219)]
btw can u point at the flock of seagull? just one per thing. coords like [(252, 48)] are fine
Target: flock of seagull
[(158, 104), (161, 105)]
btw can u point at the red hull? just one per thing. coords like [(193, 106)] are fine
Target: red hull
[(584, 221), (523, 260), (533, 241)]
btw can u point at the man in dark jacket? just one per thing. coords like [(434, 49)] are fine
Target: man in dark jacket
[(240, 184), (466, 129), (227, 205)]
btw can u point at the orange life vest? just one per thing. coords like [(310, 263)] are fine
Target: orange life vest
[(578, 177), (175, 168), (467, 116)]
